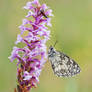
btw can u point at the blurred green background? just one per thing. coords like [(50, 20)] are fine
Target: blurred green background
[(71, 26)]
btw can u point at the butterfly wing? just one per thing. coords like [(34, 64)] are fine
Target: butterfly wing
[(64, 66)]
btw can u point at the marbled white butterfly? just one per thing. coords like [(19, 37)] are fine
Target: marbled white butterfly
[(62, 65)]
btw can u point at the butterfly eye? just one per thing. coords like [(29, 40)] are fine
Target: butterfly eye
[(51, 48)]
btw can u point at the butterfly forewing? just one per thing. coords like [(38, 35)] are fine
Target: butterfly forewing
[(62, 65)]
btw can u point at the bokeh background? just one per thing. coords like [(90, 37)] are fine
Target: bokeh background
[(72, 28)]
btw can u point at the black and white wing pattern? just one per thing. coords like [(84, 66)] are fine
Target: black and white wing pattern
[(62, 65)]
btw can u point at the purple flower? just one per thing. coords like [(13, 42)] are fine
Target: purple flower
[(19, 39), (27, 76), (34, 35)]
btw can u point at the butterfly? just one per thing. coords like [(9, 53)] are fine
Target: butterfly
[(62, 65)]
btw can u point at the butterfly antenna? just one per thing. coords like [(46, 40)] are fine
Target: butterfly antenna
[(55, 43)]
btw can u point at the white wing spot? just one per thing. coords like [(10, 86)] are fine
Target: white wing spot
[(71, 61), (59, 67), (74, 70), (75, 65), (66, 59), (56, 69)]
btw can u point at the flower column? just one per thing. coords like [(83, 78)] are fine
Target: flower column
[(34, 34)]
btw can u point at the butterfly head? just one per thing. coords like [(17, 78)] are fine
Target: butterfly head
[(51, 51)]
